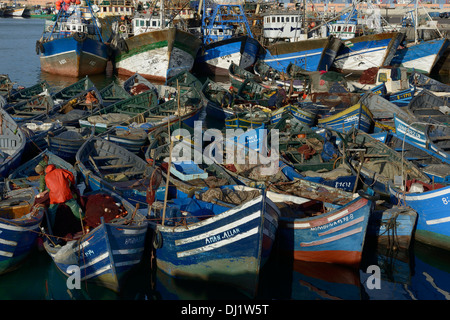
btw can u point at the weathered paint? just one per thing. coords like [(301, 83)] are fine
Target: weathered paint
[(158, 55)]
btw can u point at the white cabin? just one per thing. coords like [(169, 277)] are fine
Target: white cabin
[(142, 24), (288, 27), (343, 30), (395, 79)]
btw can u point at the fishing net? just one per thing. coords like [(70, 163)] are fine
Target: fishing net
[(228, 195)]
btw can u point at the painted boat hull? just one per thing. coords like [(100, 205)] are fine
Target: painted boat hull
[(310, 55), (12, 142), (18, 235), (215, 58), (357, 116), (230, 247), (364, 52), (432, 208), (334, 237), (421, 57), (158, 55), (104, 255), (72, 58), (113, 160)]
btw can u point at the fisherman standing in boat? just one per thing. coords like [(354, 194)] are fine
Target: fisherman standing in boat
[(279, 98), (61, 182), (228, 98)]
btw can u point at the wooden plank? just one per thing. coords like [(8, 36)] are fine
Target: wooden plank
[(111, 157), (116, 166)]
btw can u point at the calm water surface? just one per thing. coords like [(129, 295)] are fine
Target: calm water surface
[(421, 274)]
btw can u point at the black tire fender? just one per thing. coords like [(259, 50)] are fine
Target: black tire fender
[(157, 240)]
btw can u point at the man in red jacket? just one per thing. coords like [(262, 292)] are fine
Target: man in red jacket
[(59, 181)]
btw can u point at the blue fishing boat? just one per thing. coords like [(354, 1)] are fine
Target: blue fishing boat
[(73, 46), (105, 165), (432, 111), (420, 80), (19, 227), (221, 42), (431, 202), (431, 163), (309, 232), (420, 56), (357, 116), (217, 240), (26, 177), (402, 98), (12, 142), (417, 134), (310, 54), (104, 254), (67, 143), (367, 51)]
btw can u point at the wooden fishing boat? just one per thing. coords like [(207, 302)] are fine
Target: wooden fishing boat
[(66, 93), (19, 227), (253, 117), (26, 177), (429, 108), (134, 109), (312, 155), (214, 94), (132, 139), (357, 116), (29, 92), (216, 240), (104, 254), (78, 106), (383, 111), (417, 135), (36, 108), (316, 230), (305, 149), (107, 166), (12, 142), (66, 144), (381, 164), (403, 97), (420, 80), (431, 202), (113, 93)]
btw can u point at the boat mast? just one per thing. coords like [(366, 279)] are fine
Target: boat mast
[(415, 22), (162, 14)]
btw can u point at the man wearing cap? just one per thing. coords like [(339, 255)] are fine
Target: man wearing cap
[(59, 182), (40, 171)]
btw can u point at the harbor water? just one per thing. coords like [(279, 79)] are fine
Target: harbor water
[(423, 273)]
